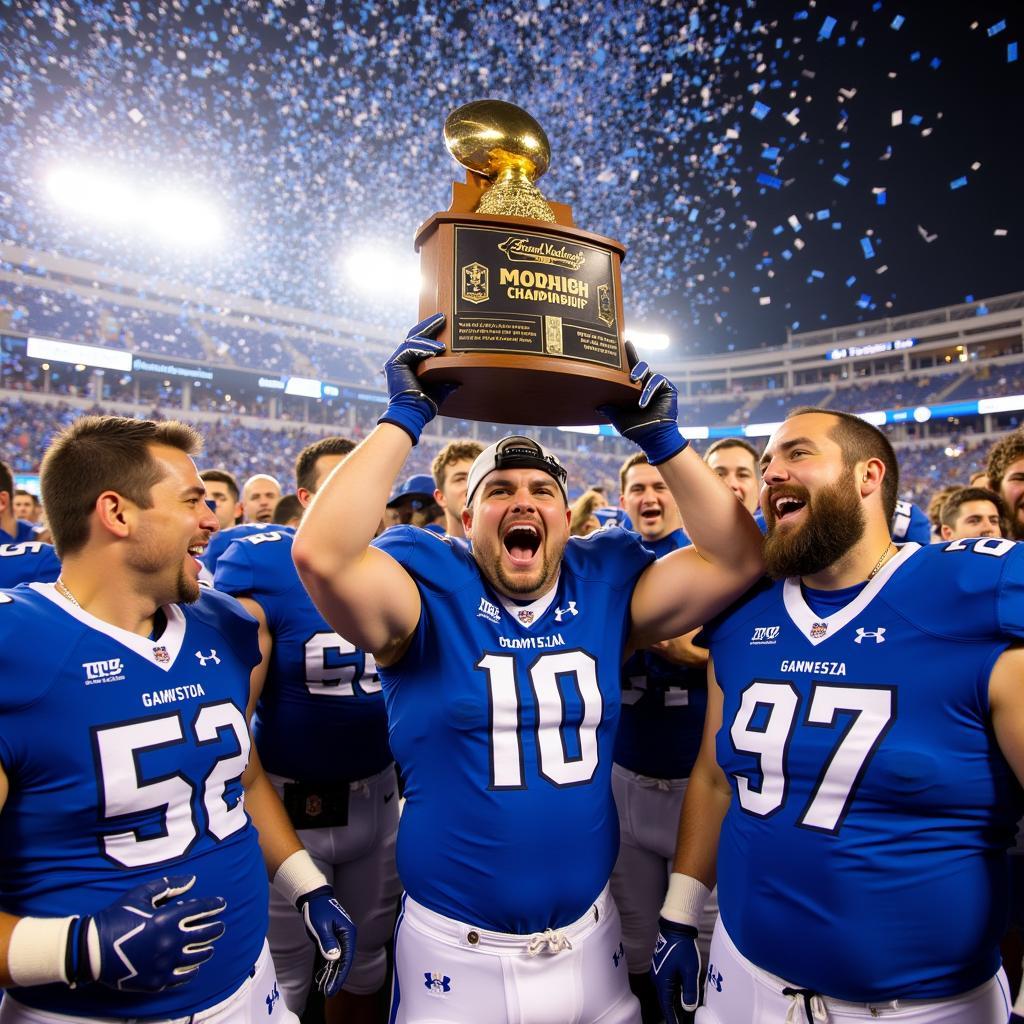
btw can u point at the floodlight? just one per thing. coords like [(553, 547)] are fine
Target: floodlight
[(382, 272), (645, 340)]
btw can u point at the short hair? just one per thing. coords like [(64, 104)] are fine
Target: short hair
[(287, 508), (454, 451), (103, 453), (222, 476), (305, 464), (733, 442), (950, 509), (1003, 454), (636, 459), (20, 492), (859, 440), (6, 480), (935, 503)]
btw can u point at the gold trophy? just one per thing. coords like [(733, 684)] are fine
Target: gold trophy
[(533, 304)]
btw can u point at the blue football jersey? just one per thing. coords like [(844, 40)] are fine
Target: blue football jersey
[(27, 562), (125, 756), (504, 724), (23, 531), (863, 855), (321, 716), (910, 524), (663, 705), (223, 539)]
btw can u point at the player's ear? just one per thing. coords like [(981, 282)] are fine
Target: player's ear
[(946, 532), (467, 520), (116, 514), (869, 475), (304, 495)]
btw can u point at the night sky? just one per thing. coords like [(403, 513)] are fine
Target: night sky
[(735, 148)]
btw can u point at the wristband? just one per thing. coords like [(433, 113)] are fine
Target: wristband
[(297, 876), (684, 900), (37, 951), (663, 443)]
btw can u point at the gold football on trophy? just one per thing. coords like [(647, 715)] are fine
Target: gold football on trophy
[(504, 143)]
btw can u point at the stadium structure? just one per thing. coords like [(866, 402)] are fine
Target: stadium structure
[(262, 379)]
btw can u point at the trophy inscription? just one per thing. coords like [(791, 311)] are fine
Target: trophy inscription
[(533, 303)]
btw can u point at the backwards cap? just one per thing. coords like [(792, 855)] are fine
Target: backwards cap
[(516, 452)]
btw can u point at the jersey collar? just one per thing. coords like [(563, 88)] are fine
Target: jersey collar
[(816, 628), (528, 615), (162, 653)]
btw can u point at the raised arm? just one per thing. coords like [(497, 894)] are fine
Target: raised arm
[(685, 588), (364, 594)]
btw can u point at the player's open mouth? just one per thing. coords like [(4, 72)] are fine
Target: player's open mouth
[(522, 541), (650, 514), (787, 506), (196, 551)]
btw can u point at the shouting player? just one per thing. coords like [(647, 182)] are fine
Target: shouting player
[(858, 777), (500, 665)]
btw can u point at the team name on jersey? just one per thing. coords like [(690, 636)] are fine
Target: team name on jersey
[(819, 668), (531, 642), (173, 694)]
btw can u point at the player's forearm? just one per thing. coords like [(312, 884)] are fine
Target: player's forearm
[(700, 823), (722, 530), (278, 840), (343, 517)]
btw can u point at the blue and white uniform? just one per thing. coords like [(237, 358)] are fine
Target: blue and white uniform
[(320, 725), (863, 856), (503, 717), (125, 756), (223, 539), (27, 562), (663, 707), (910, 524), (23, 531)]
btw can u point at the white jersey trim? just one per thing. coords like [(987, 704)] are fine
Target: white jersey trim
[(528, 615), (169, 645), (806, 620)]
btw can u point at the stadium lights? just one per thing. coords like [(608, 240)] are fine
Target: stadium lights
[(173, 217), (382, 273), (647, 341)]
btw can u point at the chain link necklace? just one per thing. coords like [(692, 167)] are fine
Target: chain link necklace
[(871, 575), (62, 588)]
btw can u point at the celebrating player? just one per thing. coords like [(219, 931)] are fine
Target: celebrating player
[(867, 718), (500, 665), (129, 804), (338, 781), (450, 470)]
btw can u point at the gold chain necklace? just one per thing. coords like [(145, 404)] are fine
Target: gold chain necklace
[(871, 575)]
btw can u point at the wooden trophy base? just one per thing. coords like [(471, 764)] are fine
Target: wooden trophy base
[(533, 312)]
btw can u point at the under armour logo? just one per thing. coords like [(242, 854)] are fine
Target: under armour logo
[(560, 613), (616, 957), (878, 635), (714, 977), (204, 658), (437, 983), (272, 998)]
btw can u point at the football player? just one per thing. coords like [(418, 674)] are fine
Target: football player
[(129, 803), (500, 665), (260, 493), (664, 695), (857, 783), (450, 470), (320, 727)]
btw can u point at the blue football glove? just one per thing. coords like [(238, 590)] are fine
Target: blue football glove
[(652, 422), (675, 969), (148, 939), (334, 933), (410, 405)]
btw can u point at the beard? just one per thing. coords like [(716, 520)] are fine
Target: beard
[(833, 525), (1016, 524), (188, 590), (513, 585)]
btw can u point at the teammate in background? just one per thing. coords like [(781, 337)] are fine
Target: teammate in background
[(450, 470), (735, 461), (260, 494), (12, 529), (582, 518), (27, 506), (27, 562), (415, 494), (664, 696), (972, 512), (1006, 477), (978, 479), (288, 511), (223, 539), (222, 490), (500, 664), (320, 727), (935, 503), (868, 722), (126, 779), (910, 524)]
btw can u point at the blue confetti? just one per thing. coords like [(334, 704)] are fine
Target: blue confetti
[(769, 180), (958, 182), (935, 63), (982, 310), (880, 197), (869, 249), (770, 152), (916, 119), (841, 179), (826, 28), (822, 215), (864, 301), (1011, 52), (915, 56), (760, 110), (851, 280), (897, 22), (994, 30)]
